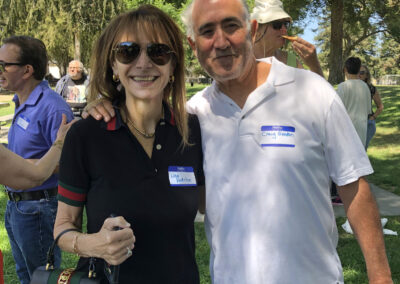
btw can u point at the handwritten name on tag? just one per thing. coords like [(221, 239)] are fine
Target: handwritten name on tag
[(277, 136), (181, 176)]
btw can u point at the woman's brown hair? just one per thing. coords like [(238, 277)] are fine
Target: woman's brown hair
[(158, 27)]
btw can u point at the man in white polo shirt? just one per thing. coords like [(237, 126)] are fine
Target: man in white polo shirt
[(272, 137)]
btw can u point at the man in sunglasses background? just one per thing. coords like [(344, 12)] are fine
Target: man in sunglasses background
[(30, 214), (273, 23), (272, 138)]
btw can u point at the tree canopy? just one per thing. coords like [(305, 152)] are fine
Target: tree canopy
[(366, 28)]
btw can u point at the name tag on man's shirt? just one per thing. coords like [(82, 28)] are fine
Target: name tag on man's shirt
[(181, 176), (23, 122), (277, 136)]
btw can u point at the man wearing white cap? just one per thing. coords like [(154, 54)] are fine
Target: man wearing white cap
[(273, 24)]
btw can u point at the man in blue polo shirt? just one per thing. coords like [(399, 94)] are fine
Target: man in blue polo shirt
[(30, 213)]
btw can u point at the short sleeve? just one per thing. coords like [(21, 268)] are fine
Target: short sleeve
[(73, 178), (346, 157), (195, 139)]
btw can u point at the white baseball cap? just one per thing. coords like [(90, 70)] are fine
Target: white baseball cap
[(266, 11)]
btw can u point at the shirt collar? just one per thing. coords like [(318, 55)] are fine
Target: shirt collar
[(116, 122), (34, 96)]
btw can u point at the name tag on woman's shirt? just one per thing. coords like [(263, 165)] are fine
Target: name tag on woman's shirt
[(181, 176)]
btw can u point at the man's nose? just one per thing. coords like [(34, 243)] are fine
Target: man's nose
[(220, 39)]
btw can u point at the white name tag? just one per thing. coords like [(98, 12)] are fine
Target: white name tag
[(23, 122), (181, 176), (277, 136)]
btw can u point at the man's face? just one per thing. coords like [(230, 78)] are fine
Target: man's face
[(75, 70), (222, 42), (12, 77)]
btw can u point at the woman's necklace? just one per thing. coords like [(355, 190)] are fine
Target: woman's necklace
[(144, 134)]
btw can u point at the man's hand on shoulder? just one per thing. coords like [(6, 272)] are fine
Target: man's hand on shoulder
[(99, 109)]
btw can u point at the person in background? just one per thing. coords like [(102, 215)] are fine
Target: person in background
[(273, 23), (356, 97), (365, 76), (70, 82), (73, 87), (18, 173), (30, 213), (144, 166)]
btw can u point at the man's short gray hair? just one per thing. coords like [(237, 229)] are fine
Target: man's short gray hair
[(80, 63), (187, 18)]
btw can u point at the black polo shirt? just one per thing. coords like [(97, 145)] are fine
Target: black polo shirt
[(104, 168)]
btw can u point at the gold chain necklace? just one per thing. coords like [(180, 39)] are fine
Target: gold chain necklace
[(144, 134)]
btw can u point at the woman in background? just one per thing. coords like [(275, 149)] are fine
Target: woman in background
[(18, 173), (365, 75), (273, 23)]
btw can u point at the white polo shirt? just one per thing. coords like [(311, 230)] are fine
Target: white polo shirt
[(269, 217)]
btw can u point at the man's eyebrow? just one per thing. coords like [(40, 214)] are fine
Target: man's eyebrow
[(231, 19), (224, 21)]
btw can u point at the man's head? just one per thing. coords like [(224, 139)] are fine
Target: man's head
[(220, 34), (352, 65), (75, 69), (32, 52), (23, 59)]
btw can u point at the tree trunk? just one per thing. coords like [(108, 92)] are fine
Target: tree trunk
[(336, 55), (77, 42)]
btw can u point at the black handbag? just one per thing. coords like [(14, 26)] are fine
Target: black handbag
[(48, 275)]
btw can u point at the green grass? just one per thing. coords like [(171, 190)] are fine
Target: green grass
[(10, 108), (384, 150), (384, 153)]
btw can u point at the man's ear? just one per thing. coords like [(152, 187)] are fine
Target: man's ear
[(28, 72), (253, 29), (192, 44)]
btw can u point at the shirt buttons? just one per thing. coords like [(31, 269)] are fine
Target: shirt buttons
[(158, 146), (155, 170)]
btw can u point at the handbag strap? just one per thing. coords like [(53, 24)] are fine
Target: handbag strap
[(50, 253)]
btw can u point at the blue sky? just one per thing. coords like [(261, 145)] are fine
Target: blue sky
[(308, 33)]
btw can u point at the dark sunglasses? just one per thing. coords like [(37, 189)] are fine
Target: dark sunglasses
[(127, 52), (363, 72), (3, 65), (277, 25)]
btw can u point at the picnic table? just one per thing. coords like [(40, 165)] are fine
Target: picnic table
[(4, 104)]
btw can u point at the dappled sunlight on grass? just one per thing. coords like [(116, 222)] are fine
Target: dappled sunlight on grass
[(384, 149)]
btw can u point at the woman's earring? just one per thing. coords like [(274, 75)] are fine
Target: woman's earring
[(115, 78), (171, 79)]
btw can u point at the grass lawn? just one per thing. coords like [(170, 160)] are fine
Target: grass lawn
[(384, 153)]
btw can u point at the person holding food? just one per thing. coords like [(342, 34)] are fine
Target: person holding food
[(145, 166), (273, 25)]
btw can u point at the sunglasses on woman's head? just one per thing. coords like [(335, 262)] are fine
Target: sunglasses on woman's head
[(127, 52), (277, 25), (362, 72)]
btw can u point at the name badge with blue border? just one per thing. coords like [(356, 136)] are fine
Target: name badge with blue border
[(23, 122), (181, 176), (277, 136)]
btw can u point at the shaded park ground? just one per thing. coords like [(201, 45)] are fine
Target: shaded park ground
[(384, 153)]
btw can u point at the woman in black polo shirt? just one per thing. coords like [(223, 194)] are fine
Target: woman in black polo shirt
[(143, 166)]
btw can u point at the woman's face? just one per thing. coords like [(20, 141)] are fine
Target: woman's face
[(273, 33), (144, 77), (363, 74)]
